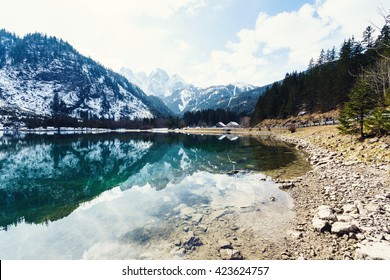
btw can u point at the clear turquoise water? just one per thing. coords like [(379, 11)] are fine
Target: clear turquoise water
[(79, 196)]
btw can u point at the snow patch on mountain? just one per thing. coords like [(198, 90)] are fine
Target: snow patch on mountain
[(157, 83)]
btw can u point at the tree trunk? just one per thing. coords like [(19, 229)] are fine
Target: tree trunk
[(361, 124)]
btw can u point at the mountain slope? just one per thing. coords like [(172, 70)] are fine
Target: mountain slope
[(44, 76), (157, 83), (238, 98)]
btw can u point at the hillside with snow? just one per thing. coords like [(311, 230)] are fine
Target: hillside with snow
[(44, 76)]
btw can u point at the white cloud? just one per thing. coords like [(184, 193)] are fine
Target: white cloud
[(117, 33), (143, 35), (352, 15), (162, 9), (286, 41)]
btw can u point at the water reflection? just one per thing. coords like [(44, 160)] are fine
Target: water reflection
[(46, 177)]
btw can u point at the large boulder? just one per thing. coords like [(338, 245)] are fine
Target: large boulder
[(325, 212), (320, 225), (341, 228)]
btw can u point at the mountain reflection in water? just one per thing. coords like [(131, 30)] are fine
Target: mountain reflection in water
[(44, 178)]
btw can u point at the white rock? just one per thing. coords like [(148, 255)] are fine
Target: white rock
[(319, 224), (197, 218), (296, 234), (373, 140), (374, 251), (343, 227), (325, 212), (224, 244), (230, 254), (344, 218), (187, 211), (218, 214), (372, 207), (247, 209), (360, 236), (360, 207), (350, 208)]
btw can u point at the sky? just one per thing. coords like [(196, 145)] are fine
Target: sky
[(207, 42)]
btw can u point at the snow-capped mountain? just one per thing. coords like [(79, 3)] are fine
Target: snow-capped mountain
[(140, 79), (157, 83), (45, 76), (239, 98), (181, 97)]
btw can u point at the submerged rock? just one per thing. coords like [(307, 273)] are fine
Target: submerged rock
[(247, 209), (219, 213), (234, 172), (197, 218)]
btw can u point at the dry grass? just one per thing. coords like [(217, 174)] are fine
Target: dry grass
[(371, 150), (312, 118)]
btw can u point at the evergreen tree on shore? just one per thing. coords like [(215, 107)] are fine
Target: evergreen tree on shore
[(360, 105)]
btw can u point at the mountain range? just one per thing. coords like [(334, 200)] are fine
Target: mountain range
[(181, 97), (43, 76)]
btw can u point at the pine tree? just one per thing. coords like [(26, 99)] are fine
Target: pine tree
[(379, 80), (322, 58), (361, 105), (311, 64), (368, 39), (55, 104)]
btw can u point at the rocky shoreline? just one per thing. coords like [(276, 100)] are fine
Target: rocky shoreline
[(342, 206)]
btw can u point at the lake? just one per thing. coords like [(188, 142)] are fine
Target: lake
[(137, 195)]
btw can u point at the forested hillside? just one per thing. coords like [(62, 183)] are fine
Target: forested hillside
[(327, 82)]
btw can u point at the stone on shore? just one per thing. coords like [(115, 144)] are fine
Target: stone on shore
[(350, 208), (191, 241), (224, 244), (286, 186), (374, 251), (320, 225), (341, 228), (230, 254), (344, 218), (350, 180), (325, 212)]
